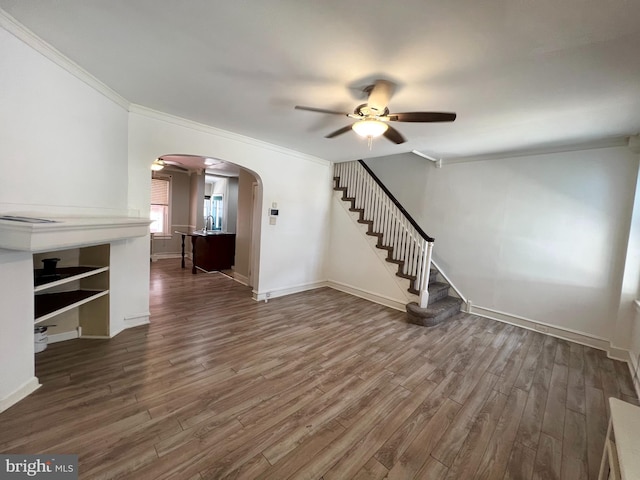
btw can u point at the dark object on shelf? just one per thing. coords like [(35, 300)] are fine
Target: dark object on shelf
[(48, 273), (40, 278), (50, 266)]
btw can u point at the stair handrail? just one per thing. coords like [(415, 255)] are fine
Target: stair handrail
[(407, 215), (417, 255)]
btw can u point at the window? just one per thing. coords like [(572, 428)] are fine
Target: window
[(213, 211), (160, 190)]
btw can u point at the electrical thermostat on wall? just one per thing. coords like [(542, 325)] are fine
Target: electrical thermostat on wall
[(273, 212)]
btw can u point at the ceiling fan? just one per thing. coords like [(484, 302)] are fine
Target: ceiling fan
[(159, 163), (372, 118)]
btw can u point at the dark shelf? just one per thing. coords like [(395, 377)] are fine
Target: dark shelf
[(61, 273), (50, 302)]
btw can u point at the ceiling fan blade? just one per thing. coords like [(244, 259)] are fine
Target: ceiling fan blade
[(379, 96), (394, 135), (320, 110), (175, 165), (422, 117), (338, 132)]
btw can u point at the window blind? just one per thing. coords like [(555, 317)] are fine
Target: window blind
[(159, 191)]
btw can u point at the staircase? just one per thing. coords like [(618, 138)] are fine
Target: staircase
[(404, 242)]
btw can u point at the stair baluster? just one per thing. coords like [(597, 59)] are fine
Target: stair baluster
[(406, 244)]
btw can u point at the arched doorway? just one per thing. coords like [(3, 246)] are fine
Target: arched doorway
[(204, 192)]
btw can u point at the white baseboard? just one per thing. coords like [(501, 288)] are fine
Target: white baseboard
[(372, 297), (63, 336), (137, 320), (281, 292), (129, 322), (26, 389), (618, 354), (552, 330), (634, 365), (241, 279), (161, 256)]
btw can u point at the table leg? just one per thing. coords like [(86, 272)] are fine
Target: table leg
[(183, 251), (193, 254)]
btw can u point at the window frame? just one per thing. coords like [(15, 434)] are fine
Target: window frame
[(166, 233)]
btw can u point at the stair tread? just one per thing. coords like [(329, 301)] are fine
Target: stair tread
[(441, 305), (436, 310), (437, 286), (445, 303)]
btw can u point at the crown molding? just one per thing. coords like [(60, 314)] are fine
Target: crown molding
[(190, 124), (622, 141), (22, 33)]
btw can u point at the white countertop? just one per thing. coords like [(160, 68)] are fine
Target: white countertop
[(48, 233)]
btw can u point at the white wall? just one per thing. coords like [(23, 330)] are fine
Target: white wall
[(196, 200), (232, 204), (63, 150), (292, 252), (17, 375), (634, 350), (355, 265), (61, 140), (630, 291), (541, 237)]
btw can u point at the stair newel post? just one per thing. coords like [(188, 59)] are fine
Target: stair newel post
[(426, 267)]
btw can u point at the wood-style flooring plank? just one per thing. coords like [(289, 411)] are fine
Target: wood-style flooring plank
[(452, 440), (372, 470), (417, 453), (470, 454), (315, 385), (521, 462), (533, 415), (496, 456), (548, 461), (597, 422), (576, 379)]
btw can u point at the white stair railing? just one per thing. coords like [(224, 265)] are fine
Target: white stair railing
[(410, 244)]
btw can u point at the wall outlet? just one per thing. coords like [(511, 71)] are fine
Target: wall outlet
[(542, 328)]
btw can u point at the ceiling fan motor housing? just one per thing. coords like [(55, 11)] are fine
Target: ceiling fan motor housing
[(379, 96)]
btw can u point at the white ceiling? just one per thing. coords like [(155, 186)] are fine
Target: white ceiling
[(519, 73), (209, 166)]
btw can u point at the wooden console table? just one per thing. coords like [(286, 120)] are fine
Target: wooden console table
[(211, 251)]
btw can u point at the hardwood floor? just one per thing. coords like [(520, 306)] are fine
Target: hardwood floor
[(317, 385)]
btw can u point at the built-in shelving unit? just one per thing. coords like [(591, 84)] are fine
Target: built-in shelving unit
[(79, 288)]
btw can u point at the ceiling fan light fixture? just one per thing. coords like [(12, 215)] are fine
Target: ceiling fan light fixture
[(157, 165), (370, 128)]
